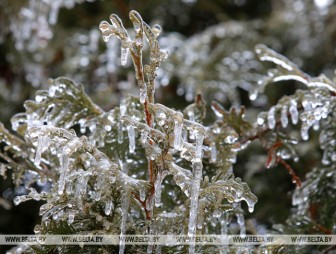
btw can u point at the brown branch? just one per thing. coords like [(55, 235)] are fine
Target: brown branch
[(143, 204), (149, 120), (278, 159), (295, 178)]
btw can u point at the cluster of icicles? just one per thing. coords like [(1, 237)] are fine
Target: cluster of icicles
[(33, 24), (73, 179), (312, 111)]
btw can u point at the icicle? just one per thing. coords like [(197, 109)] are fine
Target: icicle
[(39, 150), (124, 55), (199, 142), (69, 188), (143, 94), (241, 223), (271, 118), (213, 157), (223, 223), (294, 112), (178, 122), (143, 138), (158, 189), (142, 194), (71, 217), (124, 212), (42, 144), (149, 203), (284, 118), (123, 108), (63, 171), (131, 137), (122, 112), (197, 172), (150, 246), (108, 206), (120, 133), (304, 131), (53, 15)]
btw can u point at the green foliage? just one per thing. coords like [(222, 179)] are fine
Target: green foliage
[(145, 168)]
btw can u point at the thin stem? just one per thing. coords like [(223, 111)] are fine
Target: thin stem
[(143, 204), (295, 178)]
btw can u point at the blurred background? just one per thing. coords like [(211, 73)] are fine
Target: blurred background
[(211, 49)]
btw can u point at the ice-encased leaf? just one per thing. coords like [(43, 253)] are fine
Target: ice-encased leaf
[(182, 177), (232, 189), (266, 54), (287, 70), (138, 27), (64, 104)]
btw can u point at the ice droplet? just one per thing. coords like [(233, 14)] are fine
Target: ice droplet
[(17, 200), (156, 29), (217, 213), (71, 217), (213, 149), (104, 26), (232, 136), (260, 120), (271, 118), (161, 118), (131, 137), (124, 55), (294, 112), (108, 206), (250, 205), (253, 95), (285, 154)]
